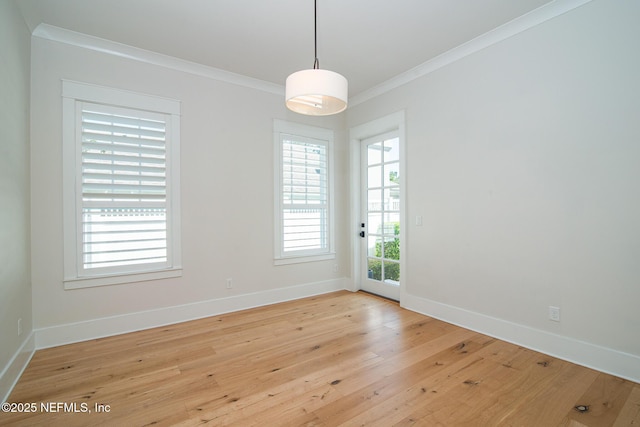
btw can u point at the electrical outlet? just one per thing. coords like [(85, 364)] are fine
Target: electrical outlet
[(554, 313), (229, 283), (19, 326)]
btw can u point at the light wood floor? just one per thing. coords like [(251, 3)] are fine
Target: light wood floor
[(336, 359)]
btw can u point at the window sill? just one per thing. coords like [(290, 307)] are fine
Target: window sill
[(90, 282), (301, 259)]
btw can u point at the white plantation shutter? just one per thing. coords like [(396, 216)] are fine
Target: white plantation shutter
[(303, 186), (121, 181), (304, 195), (124, 187)]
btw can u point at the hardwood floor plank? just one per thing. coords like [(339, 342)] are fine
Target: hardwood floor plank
[(549, 400), (399, 377), (602, 402), (630, 413), (335, 359)]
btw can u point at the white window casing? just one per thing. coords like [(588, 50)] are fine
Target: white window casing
[(303, 193), (121, 169)]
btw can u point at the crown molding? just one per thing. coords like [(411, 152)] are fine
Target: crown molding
[(57, 34), (503, 32)]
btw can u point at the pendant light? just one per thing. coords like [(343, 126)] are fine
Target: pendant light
[(316, 92)]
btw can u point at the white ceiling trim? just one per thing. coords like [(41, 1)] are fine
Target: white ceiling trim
[(503, 32), (50, 32), (518, 25)]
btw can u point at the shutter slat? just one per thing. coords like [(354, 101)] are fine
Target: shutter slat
[(125, 169), (123, 188), (129, 251), (100, 129), (121, 148), (122, 139), (94, 116), (88, 158), (126, 241), (123, 177), (110, 197), (106, 236)]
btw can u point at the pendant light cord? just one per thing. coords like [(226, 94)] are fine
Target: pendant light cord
[(316, 63)]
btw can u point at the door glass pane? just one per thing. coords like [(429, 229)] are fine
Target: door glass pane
[(391, 174), (392, 150), (372, 247), (374, 269), (374, 200), (391, 248), (391, 199), (375, 176), (375, 223), (392, 272), (392, 223), (374, 153)]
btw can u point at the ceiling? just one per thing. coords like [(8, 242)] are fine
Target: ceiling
[(367, 41)]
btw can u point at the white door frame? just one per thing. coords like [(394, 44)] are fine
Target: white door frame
[(395, 121)]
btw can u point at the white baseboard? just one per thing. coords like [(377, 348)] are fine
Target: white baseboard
[(16, 366), (620, 364), (98, 328)]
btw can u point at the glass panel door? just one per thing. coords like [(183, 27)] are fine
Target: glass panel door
[(381, 215)]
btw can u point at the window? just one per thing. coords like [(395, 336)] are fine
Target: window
[(121, 171), (303, 193)]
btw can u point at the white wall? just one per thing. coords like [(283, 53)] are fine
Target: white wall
[(227, 200), (524, 161), (15, 282)]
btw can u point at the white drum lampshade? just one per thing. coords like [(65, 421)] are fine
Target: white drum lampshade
[(316, 92)]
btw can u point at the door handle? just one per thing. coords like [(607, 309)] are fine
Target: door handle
[(362, 234)]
